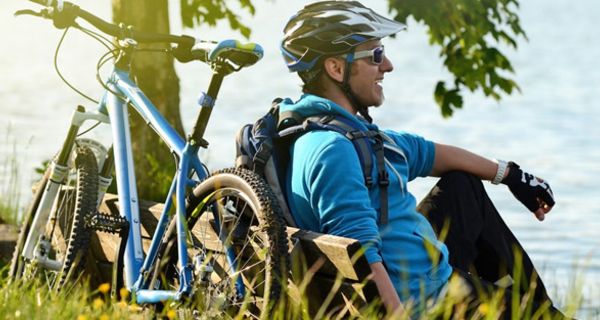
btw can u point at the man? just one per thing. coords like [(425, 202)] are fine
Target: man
[(336, 48)]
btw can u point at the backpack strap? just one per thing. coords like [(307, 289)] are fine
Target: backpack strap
[(272, 177), (241, 158), (265, 149), (366, 143), (383, 178)]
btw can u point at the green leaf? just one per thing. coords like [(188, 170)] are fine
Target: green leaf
[(197, 12), (448, 100), (440, 90)]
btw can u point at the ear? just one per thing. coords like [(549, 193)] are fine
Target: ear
[(334, 67)]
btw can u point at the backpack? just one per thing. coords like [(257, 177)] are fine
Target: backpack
[(263, 147)]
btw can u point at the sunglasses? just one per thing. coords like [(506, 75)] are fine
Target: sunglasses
[(376, 54)]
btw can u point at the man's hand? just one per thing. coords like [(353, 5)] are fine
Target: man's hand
[(532, 191), (387, 293)]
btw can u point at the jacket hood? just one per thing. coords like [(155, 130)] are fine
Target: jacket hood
[(310, 105)]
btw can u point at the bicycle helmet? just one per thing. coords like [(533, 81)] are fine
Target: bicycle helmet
[(330, 28)]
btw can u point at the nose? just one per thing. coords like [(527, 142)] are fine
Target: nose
[(386, 65)]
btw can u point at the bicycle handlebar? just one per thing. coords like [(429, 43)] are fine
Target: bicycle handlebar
[(65, 16)]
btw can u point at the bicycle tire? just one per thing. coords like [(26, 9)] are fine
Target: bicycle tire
[(258, 219), (75, 201)]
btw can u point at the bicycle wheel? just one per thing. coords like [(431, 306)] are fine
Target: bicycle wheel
[(61, 246), (239, 245)]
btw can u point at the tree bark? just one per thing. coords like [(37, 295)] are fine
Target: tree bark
[(154, 72)]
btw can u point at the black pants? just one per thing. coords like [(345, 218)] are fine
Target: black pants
[(482, 247)]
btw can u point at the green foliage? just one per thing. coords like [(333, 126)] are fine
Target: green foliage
[(196, 12), (468, 33), (157, 186)]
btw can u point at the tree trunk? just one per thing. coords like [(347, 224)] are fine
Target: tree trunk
[(154, 73)]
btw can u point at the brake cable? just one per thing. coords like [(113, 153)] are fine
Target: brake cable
[(97, 36), (62, 38), (109, 55)]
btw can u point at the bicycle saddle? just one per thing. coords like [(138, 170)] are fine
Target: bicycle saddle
[(240, 54)]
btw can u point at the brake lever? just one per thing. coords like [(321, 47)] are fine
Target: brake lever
[(42, 14)]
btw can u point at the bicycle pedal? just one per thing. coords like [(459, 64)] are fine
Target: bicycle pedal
[(106, 223)]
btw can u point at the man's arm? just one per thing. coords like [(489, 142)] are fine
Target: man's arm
[(387, 292), (449, 158)]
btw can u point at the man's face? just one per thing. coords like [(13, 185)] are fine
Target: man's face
[(366, 77)]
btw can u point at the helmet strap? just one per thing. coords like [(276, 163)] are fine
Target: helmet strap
[(345, 86)]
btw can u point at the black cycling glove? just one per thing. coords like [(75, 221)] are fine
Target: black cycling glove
[(528, 188)]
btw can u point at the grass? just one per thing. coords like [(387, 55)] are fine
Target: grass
[(9, 170), (35, 301)]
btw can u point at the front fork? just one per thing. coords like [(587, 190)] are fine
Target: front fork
[(36, 246)]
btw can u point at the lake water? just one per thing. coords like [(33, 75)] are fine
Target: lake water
[(551, 129)]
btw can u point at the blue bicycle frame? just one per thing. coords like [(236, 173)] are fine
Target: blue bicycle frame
[(135, 266), (224, 57)]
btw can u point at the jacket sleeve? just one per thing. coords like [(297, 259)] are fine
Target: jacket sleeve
[(420, 153), (338, 194)]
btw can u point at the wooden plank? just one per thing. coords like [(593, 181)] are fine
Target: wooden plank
[(337, 251), (341, 254)]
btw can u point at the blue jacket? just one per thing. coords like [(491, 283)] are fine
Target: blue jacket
[(326, 193)]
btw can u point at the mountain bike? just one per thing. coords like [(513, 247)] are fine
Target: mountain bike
[(220, 236)]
